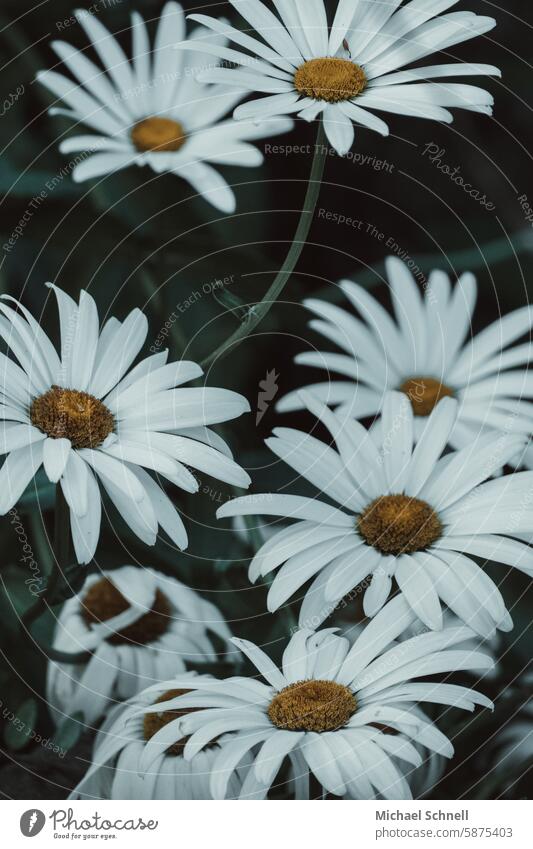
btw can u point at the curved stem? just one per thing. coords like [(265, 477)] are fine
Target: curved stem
[(258, 313), (60, 561)]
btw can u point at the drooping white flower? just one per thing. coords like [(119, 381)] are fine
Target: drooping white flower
[(152, 110), (427, 353), (409, 516), (115, 771), (139, 627), (343, 72), (86, 415), (327, 710)]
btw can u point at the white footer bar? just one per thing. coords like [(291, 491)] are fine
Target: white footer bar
[(262, 825)]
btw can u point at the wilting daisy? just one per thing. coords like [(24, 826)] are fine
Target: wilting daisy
[(427, 353), (404, 515), (86, 415), (152, 110), (343, 713), (115, 771), (345, 71), (139, 627)]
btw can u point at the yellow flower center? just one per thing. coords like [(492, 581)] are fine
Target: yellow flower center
[(158, 134), (312, 706), (154, 722), (330, 79), (78, 416), (398, 524), (103, 601), (425, 393)]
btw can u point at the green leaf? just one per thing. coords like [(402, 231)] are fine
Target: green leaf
[(34, 184), (19, 728)]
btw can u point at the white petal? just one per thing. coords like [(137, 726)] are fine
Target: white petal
[(55, 457), (339, 129), (17, 471)]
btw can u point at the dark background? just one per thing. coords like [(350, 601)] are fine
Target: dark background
[(137, 239)]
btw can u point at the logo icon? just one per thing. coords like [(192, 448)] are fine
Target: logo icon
[(268, 389), (32, 822)]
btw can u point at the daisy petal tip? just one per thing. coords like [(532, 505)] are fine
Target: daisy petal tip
[(283, 406), (225, 511), (272, 606), (506, 625), (343, 151), (229, 208), (245, 481)]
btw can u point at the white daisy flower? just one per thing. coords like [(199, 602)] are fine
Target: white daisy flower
[(151, 110), (404, 515), (328, 710), (139, 627), (115, 771), (345, 71), (426, 352), (86, 415)]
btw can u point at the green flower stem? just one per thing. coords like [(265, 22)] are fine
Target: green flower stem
[(260, 310), (60, 562)]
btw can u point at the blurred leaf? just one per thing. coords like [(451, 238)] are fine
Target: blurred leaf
[(34, 183), (17, 732)]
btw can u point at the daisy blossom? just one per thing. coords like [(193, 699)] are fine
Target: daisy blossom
[(115, 771), (327, 709), (426, 352), (139, 627), (404, 515), (152, 110), (86, 415), (343, 72)]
